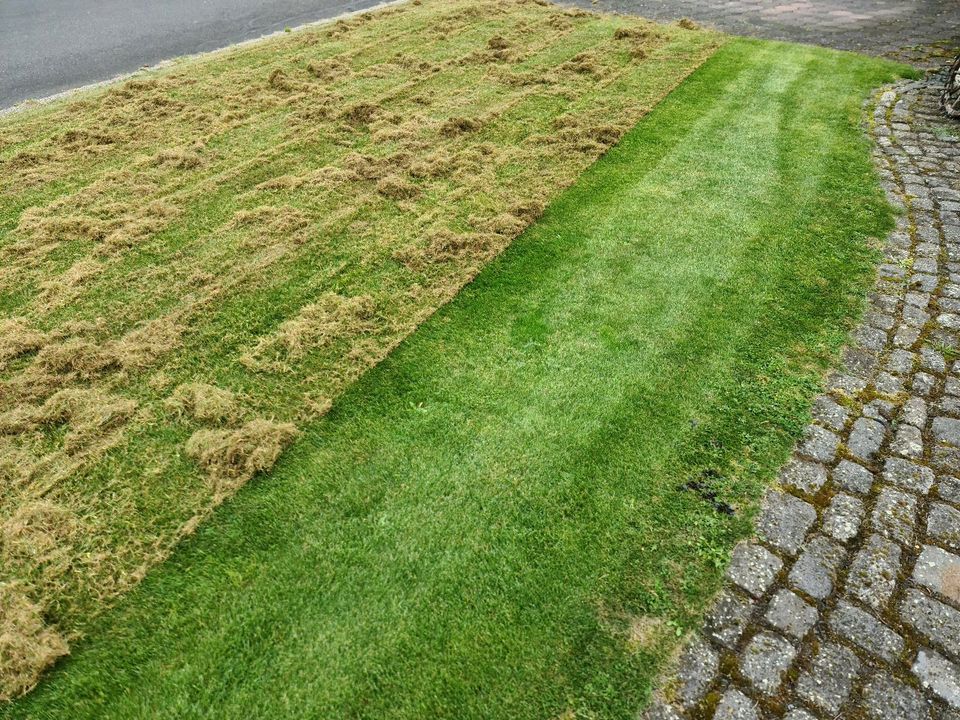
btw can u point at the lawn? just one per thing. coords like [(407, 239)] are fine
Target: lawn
[(196, 262), (494, 522)]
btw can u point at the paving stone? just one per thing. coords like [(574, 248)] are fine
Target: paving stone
[(908, 442), (888, 384), (870, 338), (864, 630), (728, 618), (915, 412), (946, 458), (830, 413), (909, 475), (932, 618), (853, 477), (791, 614), (820, 444), (923, 384), (931, 360), (798, 714), (906, 336), (949, 489), (894, 515), (939, 675), (873, 572), (827, 683), (765, 660), (948, 406), (879, 409), (734, 705), (660, 710), (816, 569), (696, 670), (886, 698), (866, 437), (784, 521), (939, 571), (803, 475), (841, 521), (901, 361), (943, 525), (946, 430), (753, 568)]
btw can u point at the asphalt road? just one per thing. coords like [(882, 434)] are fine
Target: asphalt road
[(47, 46)]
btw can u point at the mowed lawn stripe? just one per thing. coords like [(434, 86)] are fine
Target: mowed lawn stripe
[(492, 523)]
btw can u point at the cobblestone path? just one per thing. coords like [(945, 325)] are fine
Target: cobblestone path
[(846, 605)]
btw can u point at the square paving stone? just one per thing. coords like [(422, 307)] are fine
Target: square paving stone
[(939, 675), (940, 623), (753, 568), (907, 442), (734, 705), (841, 521), (728, 618), (695, 671), (853, 477), (830, 413), (816, 569), (908, 475), (784, 521), (865, 439), (939, 571), (948, 488), (791, 614), (915, 412), (765, 659), (828, 681), (946, 431), (820, 444), (873, 572), (864, 630), (886, 698), (659, 710), (894, 515), (803, 475), (943, 525), (798, 714)]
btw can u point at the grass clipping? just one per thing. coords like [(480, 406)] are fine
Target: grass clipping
[(197, 260)]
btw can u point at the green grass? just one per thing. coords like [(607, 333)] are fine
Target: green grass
[(260, 226), (491, 524)]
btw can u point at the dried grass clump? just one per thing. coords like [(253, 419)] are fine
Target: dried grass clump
[(688, 24), (231, 457), (630, 34), (143, 346), (18, 338), (27, 644), (444, 246), (204, 402), (360, 113), (179, 158), (76, 356), (586, 63), (92, 418), (60, 290), (320, 323), (37, 533), (459, 125), (328, 70), (497, 42), (278, 80), (397, 188)]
